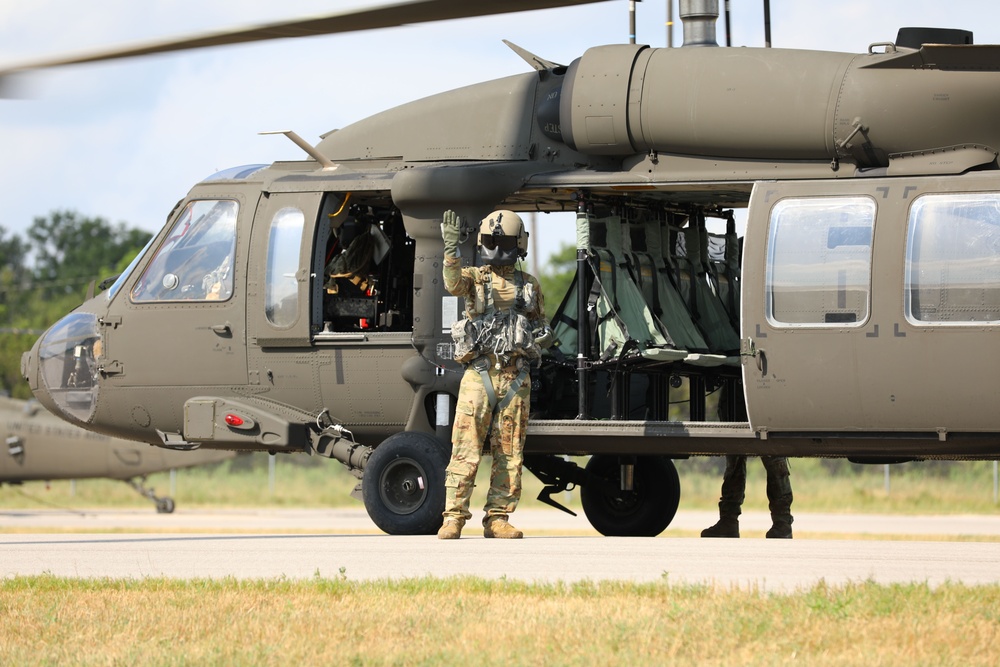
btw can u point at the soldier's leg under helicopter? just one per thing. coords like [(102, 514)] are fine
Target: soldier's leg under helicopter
[(734, 481), (779, 496)]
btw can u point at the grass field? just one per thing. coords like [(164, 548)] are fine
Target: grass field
[(819, 486), (46, 620), (52, 621)]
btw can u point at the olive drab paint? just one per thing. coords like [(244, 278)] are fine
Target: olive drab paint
[(856, 317)]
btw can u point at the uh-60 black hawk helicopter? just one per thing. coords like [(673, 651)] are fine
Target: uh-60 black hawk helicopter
[(38, 447), (856, 317)]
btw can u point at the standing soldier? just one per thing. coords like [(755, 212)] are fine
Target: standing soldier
[(498, 340), (734, 482)]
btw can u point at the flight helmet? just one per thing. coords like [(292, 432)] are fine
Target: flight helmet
[(502, 238)]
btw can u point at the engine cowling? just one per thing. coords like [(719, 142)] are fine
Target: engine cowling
[(774, 104)]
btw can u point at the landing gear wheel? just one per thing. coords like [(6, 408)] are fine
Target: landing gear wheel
[(403, 485), (642, 512), (165, 506)]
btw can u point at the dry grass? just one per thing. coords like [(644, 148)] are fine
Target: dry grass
[(48, 620), (966, 488)]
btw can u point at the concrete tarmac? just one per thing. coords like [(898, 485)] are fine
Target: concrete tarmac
[(558, 547), (533, 521)]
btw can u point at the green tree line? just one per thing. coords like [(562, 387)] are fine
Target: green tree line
[(556, 276), (46, 274)]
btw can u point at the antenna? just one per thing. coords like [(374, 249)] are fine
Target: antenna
[(767, 23), (729, 26), (670, 24), (631, 21), (307, 147)]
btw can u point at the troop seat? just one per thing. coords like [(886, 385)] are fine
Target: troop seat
[(656, 293), (696, 284)]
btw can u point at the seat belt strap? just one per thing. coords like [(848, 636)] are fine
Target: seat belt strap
[(514, 386), (491, 394)]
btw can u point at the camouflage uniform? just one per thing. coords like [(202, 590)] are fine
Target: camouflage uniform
[(474, 419), (779, 496)]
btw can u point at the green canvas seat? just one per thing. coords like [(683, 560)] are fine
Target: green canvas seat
[(694, 277), (624, 328), (724, 260), (668, 304)]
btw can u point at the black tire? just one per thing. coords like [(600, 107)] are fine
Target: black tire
[(643, 512), (165, 506), (403, 484)]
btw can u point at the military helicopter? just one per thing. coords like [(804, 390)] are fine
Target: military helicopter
[(852, 319), (41, 447)]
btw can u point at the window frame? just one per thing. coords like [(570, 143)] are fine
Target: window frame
[(172, 243), (869, 205), (912, 219), (282, 240)]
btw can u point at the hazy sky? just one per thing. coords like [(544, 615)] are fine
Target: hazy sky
[(126, 140)]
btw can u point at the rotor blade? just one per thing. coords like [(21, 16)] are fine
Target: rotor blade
[(387, 16)]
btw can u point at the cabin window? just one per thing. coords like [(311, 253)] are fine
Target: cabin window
[(953, 259), (195, 262), (281, 301), (819, 262)]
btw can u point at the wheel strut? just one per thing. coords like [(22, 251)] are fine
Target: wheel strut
[(164, 505)]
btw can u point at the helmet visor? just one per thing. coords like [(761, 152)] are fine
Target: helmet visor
[(499, 242)]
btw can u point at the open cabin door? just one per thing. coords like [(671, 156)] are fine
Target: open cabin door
[(873, 306)]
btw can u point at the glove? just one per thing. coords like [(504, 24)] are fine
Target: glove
[(450, 233), (544, 336)]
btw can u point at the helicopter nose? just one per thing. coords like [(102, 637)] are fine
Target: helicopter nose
[(61, 368), (29, 370)]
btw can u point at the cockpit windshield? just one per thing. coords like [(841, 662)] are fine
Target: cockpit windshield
[(195, 262)]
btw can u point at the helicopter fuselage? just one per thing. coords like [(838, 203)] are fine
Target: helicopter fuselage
[(856, 317)]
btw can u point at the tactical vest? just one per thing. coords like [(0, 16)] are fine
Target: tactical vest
[(505, 333)]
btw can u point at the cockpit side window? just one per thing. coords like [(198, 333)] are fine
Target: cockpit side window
[(281, 300), (195, 262), (819, 262), (953, 260)]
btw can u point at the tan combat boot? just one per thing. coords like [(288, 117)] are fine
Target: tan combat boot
[(451, 530), (498, 527)]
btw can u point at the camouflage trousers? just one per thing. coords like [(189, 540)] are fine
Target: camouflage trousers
[(779, 487), (474, 422)]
